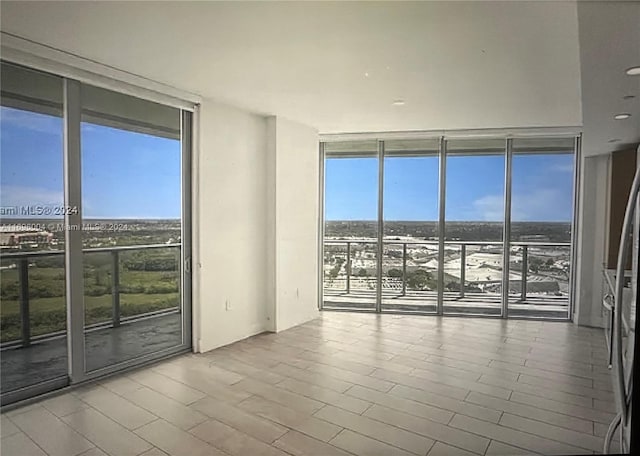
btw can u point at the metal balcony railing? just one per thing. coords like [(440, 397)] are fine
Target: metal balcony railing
[(525, 246), (22, 265)]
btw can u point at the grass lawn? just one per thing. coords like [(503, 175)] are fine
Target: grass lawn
[(49, 314), (37, 305), (141, 292)]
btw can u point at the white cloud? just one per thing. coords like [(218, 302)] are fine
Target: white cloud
[(489, 207), (12, 195), (562, 168), (539, 204)]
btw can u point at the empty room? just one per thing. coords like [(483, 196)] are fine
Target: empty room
[(316, 228)]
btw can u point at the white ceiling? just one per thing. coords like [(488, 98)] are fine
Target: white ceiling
[(609, 44), (338, 66), (456, 64)]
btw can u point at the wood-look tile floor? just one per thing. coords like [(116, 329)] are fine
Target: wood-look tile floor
[(346, 383)]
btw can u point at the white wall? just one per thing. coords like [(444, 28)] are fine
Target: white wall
[(255, 225), (592, 239), (230, 255), (296, 223)]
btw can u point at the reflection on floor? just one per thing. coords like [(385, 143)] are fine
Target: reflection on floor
[(471, 303), (48, 359), (346, 384)]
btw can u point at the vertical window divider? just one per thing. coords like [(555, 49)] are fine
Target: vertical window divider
[(380, 246), (577, 167), (442, 162), (506, 237), (186, 140), (73, 233), (321, 222)]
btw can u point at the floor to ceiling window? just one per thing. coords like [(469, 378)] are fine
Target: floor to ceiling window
[(541, 216), (456, 225), (33, 314), (95, 231), (131, 196), (474, 218), (410, 226), (350, 267)]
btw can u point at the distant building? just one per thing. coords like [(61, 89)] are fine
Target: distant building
[(15, 235), (534, 238)]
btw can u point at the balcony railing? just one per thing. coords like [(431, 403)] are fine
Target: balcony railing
[(22, 260), (523, 268)]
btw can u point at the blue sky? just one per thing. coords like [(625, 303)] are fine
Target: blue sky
[(542, 188), (124, 174), (133, 175)]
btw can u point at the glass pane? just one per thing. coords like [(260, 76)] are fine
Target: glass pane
[(32, 275), (541, 214), (131, 196), (351, 214), (410, 261), (474, 214)]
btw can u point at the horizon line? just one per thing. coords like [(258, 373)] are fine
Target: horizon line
[(13, 217), (449, 221)]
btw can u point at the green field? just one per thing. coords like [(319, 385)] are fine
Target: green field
[(148, 283)]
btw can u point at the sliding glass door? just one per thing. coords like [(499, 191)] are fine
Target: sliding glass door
[(132, 221), (95, 231), (33, 313)]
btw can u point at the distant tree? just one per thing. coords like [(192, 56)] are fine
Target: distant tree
[(363, 273), (453, 286), (9, 291), (397, 273), (100, 277), (419, 280), (534, 264)]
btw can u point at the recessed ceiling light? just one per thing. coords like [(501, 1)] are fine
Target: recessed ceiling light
[(613, 140), (633, 71), (622, 116), (398, 102), (366, 75)]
